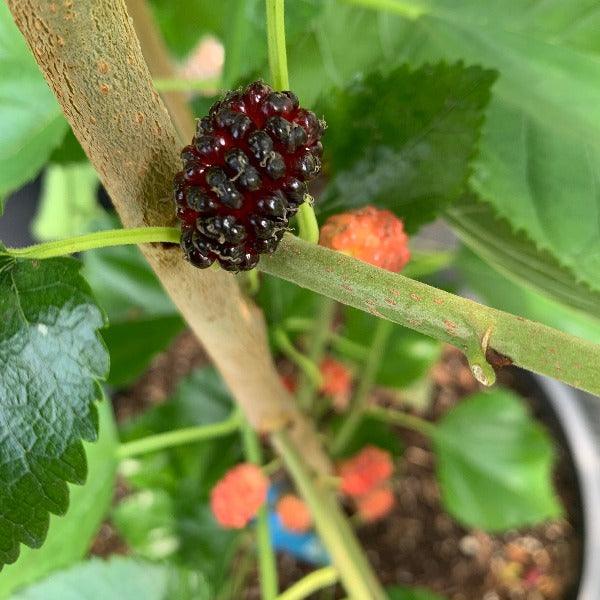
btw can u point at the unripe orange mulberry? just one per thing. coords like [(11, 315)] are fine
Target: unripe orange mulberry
[(375, 505), (369, 234), (294, 514), (337, 382), (237, 497), (365, 471)]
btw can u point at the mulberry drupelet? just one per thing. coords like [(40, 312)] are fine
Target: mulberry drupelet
[(245, 175)]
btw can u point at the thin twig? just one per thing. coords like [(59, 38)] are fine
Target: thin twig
[(346, 432), (178, 437), (267, 565), (276, 43), (319, 336), (355, 573), (311, 583)]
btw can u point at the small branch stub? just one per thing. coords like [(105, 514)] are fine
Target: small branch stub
[(480, 367)]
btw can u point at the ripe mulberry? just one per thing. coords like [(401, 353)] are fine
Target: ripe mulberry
[(237, 497), (245, 175), (365, 471), (375, 505), (294, 514), (369, 234)]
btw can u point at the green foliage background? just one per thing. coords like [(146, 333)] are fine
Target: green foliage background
[(486, 114)]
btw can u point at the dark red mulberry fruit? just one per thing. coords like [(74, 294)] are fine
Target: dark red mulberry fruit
[(244, 176)]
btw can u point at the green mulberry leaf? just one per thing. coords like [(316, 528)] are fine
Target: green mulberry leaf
[(31, 123), (518, 258), (120, 577), (50, 361), (404, 140), (69, 537), (410, 593), (495, 463)]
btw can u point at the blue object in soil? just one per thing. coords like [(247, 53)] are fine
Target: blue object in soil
[(303, 546)]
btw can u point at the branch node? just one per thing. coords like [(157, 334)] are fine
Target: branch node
[(485, 340), (484, 373), (273, 423), (482, 370)]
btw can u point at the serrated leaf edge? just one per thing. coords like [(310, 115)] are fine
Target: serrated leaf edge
[(14, 552)]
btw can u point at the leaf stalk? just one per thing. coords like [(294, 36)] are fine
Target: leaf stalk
[(98, 239), (179, 437)]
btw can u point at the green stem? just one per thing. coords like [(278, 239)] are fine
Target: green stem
[(178, 437), (354, 570), (98, 239), (351, 349), (321, 328), (308, 226), (272, 467), (267, 565), (234, 586), (345, 346), (402, 419), (306, 366), (346, 432), (251, 282), (298, 324), (479, 331), (400, 7), (311, 583), (276, 44)]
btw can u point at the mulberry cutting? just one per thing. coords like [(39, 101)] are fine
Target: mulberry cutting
[(245, 176)]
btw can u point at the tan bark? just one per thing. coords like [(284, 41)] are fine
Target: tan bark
[(90, 55)]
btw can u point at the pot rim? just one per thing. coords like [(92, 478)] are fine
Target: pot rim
[(582, 443)]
